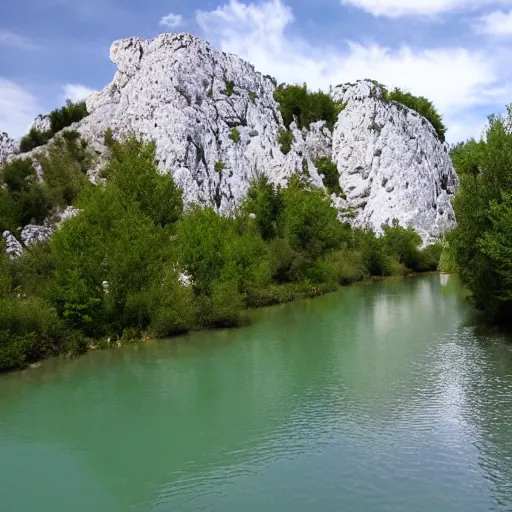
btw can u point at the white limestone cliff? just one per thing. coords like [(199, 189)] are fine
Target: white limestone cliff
[(392, 164), (190, 99), (8, 147), (216, 126)]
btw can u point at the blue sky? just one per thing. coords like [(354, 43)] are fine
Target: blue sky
[(455, 52)]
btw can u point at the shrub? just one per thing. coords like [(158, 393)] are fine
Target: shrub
[(331, 175), (64, 166), (297, 103), (402, 244), (286, 141), (219, 166), (29, 330), (23, 199), (132, 170), (172, 306), (234, 135), (68, 114), (430, 258), (252, 96), (34, 139), (309, 221), (344, 267), (59, 119), (230, 88), (421, 105), (265, 201)]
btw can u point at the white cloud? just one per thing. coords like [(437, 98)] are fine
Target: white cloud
[(76, 92), (16, 41), (398, 8), (18, 108), (455, 79), (497, 23), (172, 20)]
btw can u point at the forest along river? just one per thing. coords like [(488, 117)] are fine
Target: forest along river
[(382, 397)]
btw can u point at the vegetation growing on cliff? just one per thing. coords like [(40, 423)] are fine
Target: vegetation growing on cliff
[(26, 199), (481, 244), (306, 107), (331, 175), (134, 263), (58, 119), (419, 104)]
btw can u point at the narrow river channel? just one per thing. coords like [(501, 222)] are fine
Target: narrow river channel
[(382, 397)]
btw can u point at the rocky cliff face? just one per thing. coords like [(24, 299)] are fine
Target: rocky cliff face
[(216, 127), (8, 147), (212, 116), (392, 164)]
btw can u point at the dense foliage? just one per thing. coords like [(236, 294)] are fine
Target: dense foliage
[(25, 199), (59, 119), (298, 104), (481, 245), (135, 263), (419, 104), (331, 176)]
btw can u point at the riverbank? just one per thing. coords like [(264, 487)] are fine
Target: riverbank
[(272, 296)]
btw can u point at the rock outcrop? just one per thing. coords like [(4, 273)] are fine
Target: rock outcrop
[(392, 164), (216, 126), (33, 234), (41, 123), (12, 247), (8, 147)]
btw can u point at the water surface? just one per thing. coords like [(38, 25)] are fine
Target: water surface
[(382, 397)]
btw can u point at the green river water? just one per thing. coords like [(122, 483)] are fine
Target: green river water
[(382, 397)]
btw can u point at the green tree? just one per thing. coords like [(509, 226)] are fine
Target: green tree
[(481, 242), (265, 201), (309, 221)]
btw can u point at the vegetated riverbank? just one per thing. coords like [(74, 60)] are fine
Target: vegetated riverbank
[(480, 247), (134, 263)]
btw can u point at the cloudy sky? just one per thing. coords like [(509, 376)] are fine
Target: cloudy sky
[(455, 52)]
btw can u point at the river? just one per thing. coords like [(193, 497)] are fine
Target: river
[(382, 397)]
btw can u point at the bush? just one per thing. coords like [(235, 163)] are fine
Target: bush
[(265, 202), (172, 306), (230, 88), (309, 221), (59, 119), (23, 199), (34, 139), (297, 103), (64, 166), (235, 135), (29, 329), (402, 244), (421, 105), (67, 115), (26, 200), (331, 175), (133, 172), (286, 141), (430, 258)]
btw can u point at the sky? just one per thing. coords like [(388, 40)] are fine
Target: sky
[(457, 53)]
